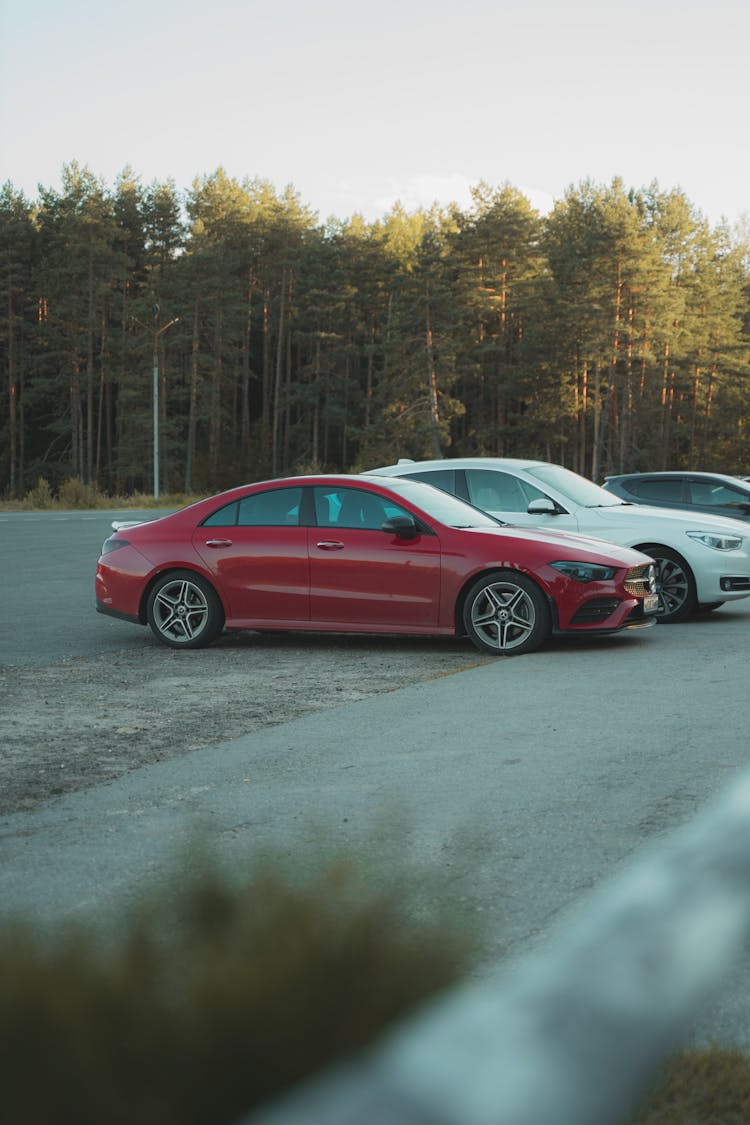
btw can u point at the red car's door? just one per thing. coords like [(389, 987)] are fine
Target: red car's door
[(360, 575), (257, 553)]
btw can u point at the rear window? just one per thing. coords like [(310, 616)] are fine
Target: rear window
[(278, 507)]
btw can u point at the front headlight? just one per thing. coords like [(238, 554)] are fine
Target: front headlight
[(584, 572), (718, 542)]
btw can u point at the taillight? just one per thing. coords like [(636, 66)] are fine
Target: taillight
[(113, 544)]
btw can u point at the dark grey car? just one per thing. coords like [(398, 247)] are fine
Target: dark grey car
[(691, 492)]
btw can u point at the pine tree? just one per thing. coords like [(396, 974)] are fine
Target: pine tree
[(17, 256)]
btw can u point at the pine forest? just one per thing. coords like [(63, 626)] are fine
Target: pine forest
[(610, 335)]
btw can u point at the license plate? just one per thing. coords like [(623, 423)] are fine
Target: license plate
[(650, 603)]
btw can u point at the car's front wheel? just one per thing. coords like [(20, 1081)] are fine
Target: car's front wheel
[(506, 614), (675, 584), (184, 611)]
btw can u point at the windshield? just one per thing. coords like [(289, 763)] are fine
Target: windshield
[(574, 486), (439, 505)]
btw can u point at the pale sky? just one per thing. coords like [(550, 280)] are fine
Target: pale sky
[(359, 105)]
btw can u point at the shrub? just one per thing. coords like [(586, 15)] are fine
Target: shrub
[(208, 1005), (41, 496), (73, 493)]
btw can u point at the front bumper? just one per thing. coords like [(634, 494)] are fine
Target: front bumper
[(720, 576)]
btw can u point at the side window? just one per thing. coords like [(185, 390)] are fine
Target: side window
[(327, 506), (277, 508), (718, 495), (495, 491), (438, 478), (224, 517), (352, 508), (658, 490)]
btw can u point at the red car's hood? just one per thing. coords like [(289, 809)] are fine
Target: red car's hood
[(569, 542)]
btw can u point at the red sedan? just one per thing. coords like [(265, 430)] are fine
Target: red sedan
[(359, 554)]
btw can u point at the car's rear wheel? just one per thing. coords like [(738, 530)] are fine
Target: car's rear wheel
[(506, 614), (184, 611), (675, 584)]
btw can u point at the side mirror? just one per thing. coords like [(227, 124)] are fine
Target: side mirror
[(402, 526), (542, 508)]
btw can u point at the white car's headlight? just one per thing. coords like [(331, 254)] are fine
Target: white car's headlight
[(718, 542)]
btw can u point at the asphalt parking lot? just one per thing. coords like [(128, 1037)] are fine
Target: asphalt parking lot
[(515, 785)]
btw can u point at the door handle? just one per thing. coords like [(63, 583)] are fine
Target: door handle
[(330, 545), (218, 542)]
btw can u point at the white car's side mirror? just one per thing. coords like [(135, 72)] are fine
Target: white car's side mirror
[(542, 507)]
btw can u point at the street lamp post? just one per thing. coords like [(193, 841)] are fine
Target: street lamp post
[(157, 334)]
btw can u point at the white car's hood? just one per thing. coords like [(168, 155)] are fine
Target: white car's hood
[(619, 516)]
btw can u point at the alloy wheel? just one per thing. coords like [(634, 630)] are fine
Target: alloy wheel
[(673, 587), (180, 611), (503, 615)]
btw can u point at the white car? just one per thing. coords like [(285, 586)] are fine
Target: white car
[(702, 560)]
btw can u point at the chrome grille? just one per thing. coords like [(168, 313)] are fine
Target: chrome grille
[(641, 580)]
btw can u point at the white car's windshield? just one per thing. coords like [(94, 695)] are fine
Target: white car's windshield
[(440, 505), (574, 486)]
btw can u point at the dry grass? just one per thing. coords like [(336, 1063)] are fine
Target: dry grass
[(72, 495), (701, 1087)]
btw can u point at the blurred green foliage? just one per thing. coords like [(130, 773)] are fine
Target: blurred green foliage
[(210, 1001), (213, 998)]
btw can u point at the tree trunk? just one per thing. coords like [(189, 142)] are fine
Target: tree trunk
[(596, 444), (245, 381), (214, 422), (76, 422), (90, 377), (345, 413), (265, 436), (709, 400), (276, 405), (611, 401), (100, 404), (163, 444), (437, 452), (193, 403), (287, 428), (666, 410), (626, 405), (315, 423), (12, 399)]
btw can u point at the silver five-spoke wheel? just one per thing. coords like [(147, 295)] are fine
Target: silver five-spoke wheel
[(506, 613), (184, 611)]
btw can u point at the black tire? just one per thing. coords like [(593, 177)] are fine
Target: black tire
[(506, 614), (184, 611), (674, 583)]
